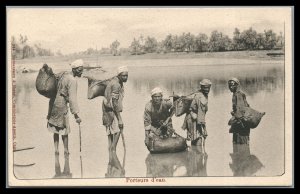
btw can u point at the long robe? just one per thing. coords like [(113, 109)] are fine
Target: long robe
[(58, 120), (196, 128)]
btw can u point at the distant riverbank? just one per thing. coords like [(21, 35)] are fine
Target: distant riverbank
[(261, 54), (154, 59)]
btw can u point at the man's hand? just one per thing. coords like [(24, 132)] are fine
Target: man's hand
[(121, 125), (193, 115), (147, 132), (175, 97), (78, 119), (165, 123)]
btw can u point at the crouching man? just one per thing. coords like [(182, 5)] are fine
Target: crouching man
[(157, 117)]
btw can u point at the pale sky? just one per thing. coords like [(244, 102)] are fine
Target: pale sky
[(76, 29)]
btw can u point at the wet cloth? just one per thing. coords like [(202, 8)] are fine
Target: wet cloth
[(113, 128), (114, 94), (58, 106), (59, 130), (196, 127)]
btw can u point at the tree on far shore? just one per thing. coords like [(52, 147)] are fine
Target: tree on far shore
[(114, 47)]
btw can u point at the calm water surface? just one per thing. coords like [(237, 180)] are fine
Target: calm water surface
[(263, 84)]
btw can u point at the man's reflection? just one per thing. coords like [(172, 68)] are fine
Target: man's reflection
[(197, 160), (188, 163), (66, 173), (114, 167), (243, 163)]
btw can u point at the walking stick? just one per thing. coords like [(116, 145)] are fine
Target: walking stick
[(80, 148), (123, 139)]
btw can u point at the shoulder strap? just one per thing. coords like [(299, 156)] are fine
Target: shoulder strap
[(60, 78)]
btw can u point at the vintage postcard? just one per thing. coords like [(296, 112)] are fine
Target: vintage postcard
[(150, 96)]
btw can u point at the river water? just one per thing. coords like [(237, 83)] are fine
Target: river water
[(262, 83)]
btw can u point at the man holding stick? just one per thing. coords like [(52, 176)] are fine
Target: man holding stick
[(58, 120), (157, 117), (112, 107)]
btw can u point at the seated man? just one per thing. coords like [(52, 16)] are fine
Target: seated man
[(157, 117)]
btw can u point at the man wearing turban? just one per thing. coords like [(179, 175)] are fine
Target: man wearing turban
[(58, 120), (157, 111), (194, 121), (113, 106), (240, 131)]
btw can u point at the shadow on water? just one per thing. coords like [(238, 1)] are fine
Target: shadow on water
[(114, 167), (66, 173), (188, 163), (243, 162)]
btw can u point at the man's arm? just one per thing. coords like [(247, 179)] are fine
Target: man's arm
[(116, 105), (234, 103), (51, 102), (245, 100), (147, 121), (73, 100), (193, 109), (119, 118), (170, 106)]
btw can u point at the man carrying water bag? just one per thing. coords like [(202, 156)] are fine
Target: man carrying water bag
[(194, 121), (113, 106), (58, 120), (157, 121)]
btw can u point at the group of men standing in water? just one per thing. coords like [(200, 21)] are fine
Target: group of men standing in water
[(157, 114), (158, 110)]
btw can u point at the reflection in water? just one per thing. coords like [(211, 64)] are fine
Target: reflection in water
[(253, 82), (114, 167), (26, 84), (243, 163), (197, 160), (266, 81), (187, 163), (66, 173)]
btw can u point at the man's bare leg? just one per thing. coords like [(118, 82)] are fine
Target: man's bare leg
[(57, 166), (56, 142), (65, 139), (110, 140), (66, 171), (116, 137)]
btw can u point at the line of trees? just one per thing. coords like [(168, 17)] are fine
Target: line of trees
[(186, 42), (21, 49), (246, 40)]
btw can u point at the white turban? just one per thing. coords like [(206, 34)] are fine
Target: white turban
[(205, 82), (156, 90), (77, 63), (235, 80), (122, 69)]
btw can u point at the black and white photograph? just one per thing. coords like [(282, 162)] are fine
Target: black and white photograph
[(149, 96)]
